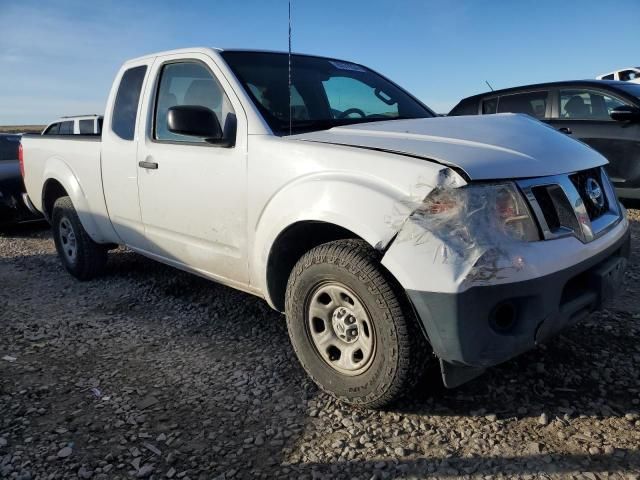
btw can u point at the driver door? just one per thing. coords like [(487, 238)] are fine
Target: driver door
[(193, 196)]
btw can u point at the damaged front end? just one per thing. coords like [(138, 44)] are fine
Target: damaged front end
[(482, 280), (472, 230)]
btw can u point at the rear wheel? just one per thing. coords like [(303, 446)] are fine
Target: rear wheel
[(80, 255), (351, 326)]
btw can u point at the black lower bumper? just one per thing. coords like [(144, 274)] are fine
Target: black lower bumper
[(14, 209), (487, 325)]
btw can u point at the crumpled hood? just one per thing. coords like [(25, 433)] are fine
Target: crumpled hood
[(486, 147)]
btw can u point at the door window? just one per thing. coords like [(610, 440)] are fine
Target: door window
[(489, 106), (608, 77), (579, 104), (125, 110), (189, 83), (531, 103)]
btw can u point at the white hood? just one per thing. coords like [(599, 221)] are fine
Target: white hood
[(486, 147)]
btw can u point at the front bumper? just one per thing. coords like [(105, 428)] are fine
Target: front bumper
[(489, 324)]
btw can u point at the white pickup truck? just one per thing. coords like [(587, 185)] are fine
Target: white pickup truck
[(389, 236)]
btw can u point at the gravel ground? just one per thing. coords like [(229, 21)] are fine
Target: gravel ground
[(152, 373)]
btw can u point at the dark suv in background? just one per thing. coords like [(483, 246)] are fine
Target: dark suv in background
[(15, 206), (603, 114)]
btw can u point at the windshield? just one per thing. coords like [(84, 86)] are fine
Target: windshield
[(324, 93), (631, 89)]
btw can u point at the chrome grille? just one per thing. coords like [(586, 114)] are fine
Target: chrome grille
[(563, 206)]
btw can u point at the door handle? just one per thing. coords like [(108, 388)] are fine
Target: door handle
[(566, 130), (148, 165)]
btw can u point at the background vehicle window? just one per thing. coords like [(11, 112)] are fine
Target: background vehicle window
[(53, 129), (531, 103), (587, 104), (627, 75), (100, 120), (468, 106), (343, 92), (125, 110), (608, 77), (489, 106), (86, 127), (190, 83), (66, 128)]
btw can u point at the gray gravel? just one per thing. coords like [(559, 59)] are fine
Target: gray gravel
[(152, 373)]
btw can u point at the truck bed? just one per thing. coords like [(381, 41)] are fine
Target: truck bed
[(71, 157)]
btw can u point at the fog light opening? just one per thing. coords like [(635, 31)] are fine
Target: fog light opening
[(503, 317)]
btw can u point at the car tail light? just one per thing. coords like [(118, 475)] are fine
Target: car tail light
[(21, 159)]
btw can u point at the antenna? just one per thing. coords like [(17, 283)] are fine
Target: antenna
[(487, 82), (290, 107)]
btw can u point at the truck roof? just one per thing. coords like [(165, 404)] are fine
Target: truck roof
[(206, 50)]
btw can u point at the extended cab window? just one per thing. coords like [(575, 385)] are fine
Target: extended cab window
[(86, 127), (125, 110), (531, 103), (189, 83), (587, 104)]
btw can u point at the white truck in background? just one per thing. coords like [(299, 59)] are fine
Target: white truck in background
[(629, 74), (389, 236), (75, 125)]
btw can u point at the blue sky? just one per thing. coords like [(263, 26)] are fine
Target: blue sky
[(59, 57)]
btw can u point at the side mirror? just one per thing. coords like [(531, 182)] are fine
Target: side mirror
[(626, 113), (195, 121)]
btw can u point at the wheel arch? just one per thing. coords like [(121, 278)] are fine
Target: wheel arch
[(289, 246)]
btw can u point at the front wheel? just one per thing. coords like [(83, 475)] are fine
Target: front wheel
[(351, 326), (80, 255)]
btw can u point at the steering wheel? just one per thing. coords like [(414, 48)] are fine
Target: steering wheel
[(349, 111)]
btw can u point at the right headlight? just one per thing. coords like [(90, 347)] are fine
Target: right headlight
[(487, 214)]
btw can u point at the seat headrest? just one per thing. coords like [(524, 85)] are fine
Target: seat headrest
[(576, 107), (203, 92)]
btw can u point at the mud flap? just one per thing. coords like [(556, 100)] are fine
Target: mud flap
[(455, 375)]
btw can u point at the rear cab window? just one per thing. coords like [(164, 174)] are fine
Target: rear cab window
[(125, 109)]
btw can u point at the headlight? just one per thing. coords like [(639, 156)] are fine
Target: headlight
[(486, 214)]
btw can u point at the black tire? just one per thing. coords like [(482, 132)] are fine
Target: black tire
[(401, 351), (90, 257)]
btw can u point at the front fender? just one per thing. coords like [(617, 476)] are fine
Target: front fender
[(365, 205)]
